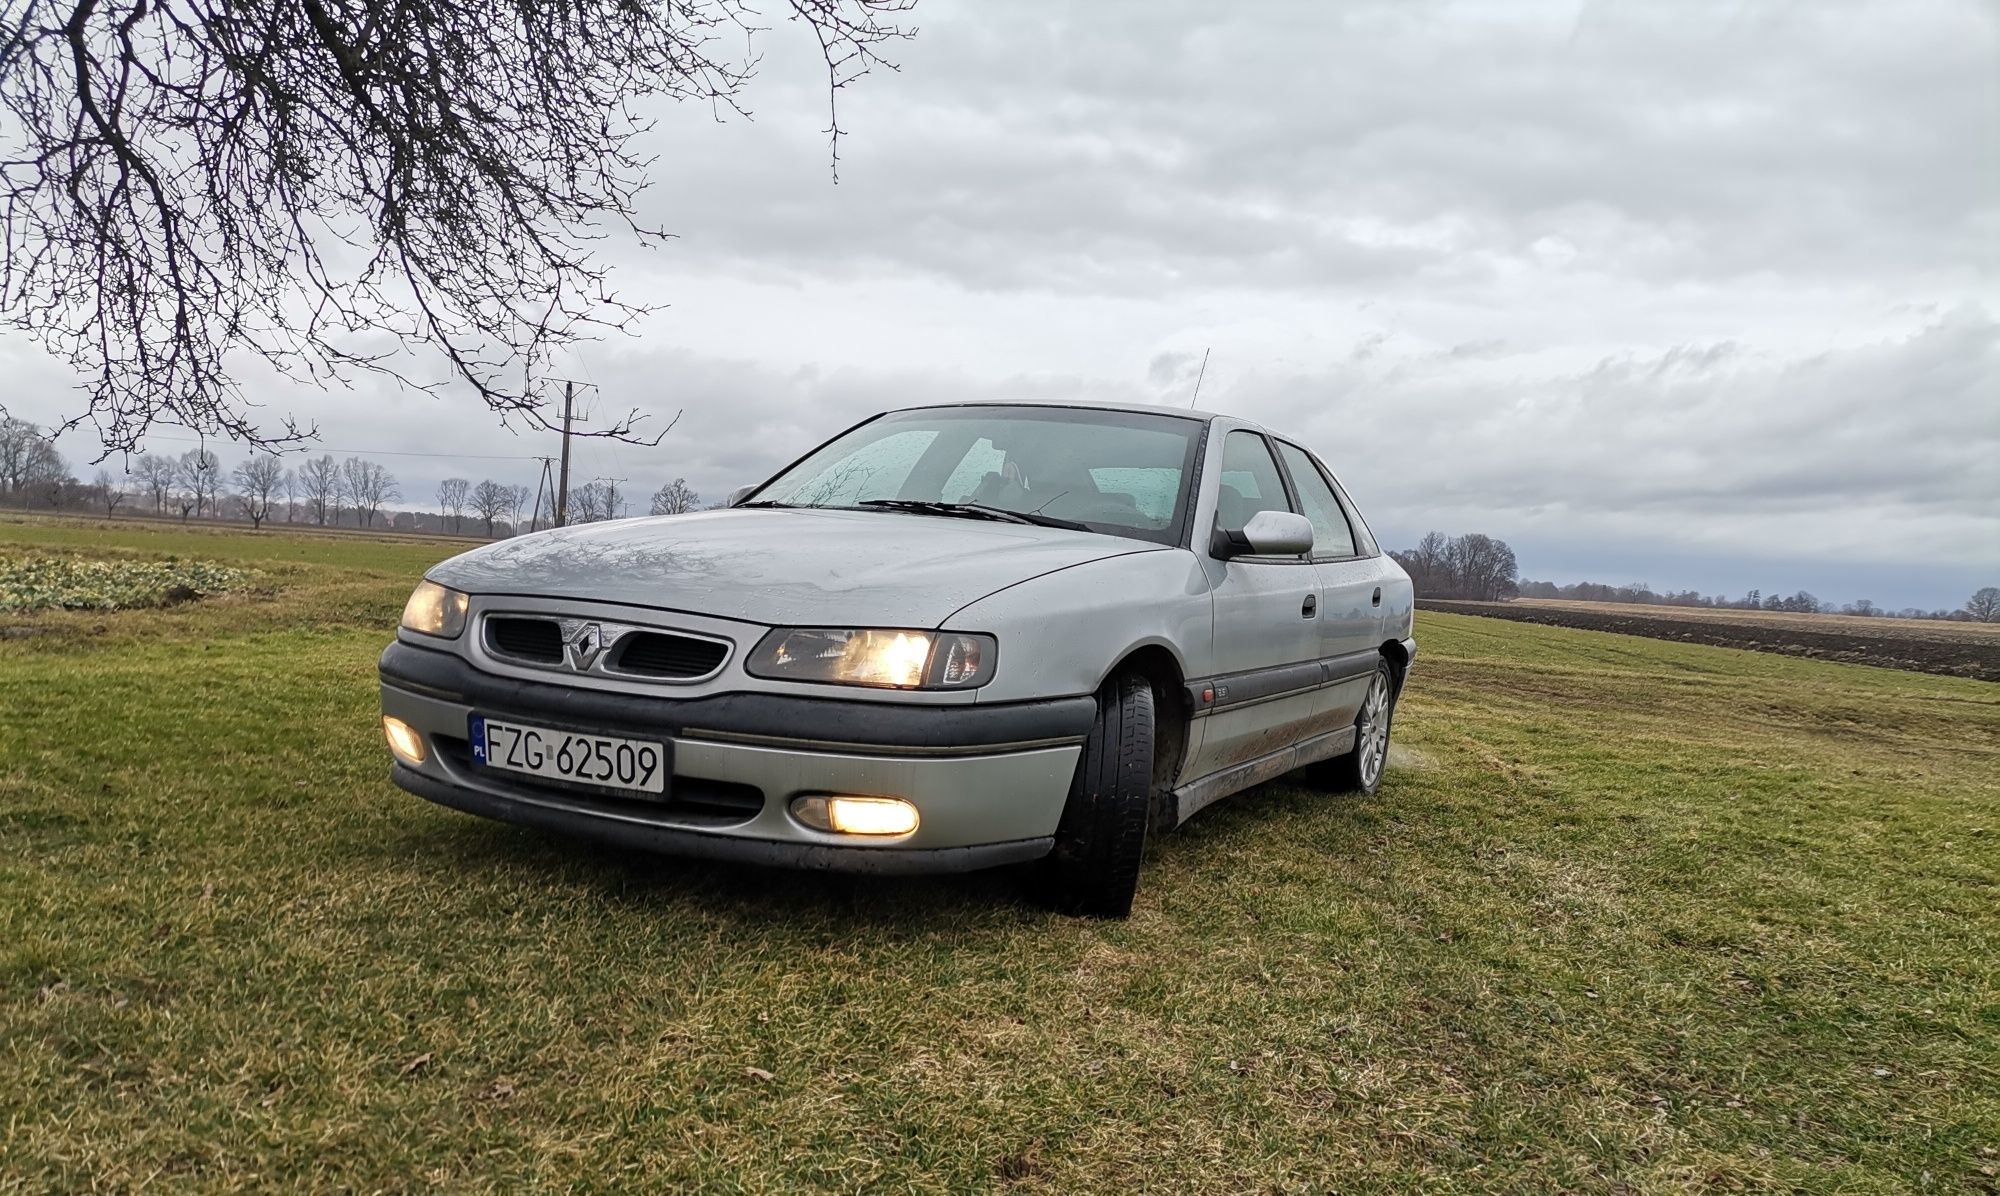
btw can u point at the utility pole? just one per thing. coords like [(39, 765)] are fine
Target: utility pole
[(562, 486), (544, 485)]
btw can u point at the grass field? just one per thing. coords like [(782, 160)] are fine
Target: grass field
[(1627, 915)]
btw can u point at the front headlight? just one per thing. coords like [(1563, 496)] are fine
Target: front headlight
[(435, 610), (872, 656)]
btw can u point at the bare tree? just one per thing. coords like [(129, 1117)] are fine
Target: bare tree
[(110, 491), (290, 482), (209, 481), (27, 458), (675, 498), (258, 480), (156, 480), (489, 502), (319, 479), (1984, 605), (517, 501), (451, 501), (1468, 566), (198, 479), (188, 180), (368, 486), (589, 503), (1483, 567), (1429, 566), (1433, 557)]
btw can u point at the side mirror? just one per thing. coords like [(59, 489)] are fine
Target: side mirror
[(738, 495), (1269, 533)]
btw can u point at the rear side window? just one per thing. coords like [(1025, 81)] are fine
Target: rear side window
[(1363, 538), (1331, 535), (1250, 482)]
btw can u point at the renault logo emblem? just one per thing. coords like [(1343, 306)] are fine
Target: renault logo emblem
[(582, 643)]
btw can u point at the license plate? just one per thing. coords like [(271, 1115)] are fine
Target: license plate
[(605, 761)]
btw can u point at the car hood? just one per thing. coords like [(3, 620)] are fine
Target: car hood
[(785, 567)]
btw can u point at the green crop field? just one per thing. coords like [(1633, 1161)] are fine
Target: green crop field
[(1628, 915)]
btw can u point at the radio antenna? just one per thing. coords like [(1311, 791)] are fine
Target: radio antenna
[(1197, 380)]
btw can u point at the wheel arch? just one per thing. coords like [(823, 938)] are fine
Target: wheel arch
[(1172, 721), (1398, 655)]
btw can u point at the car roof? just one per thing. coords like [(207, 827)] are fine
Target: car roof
[(1142, 408)]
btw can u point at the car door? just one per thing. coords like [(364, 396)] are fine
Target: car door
[(1350, 605), (1266, 674)]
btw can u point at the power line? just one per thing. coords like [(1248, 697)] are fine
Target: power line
[(328, 448)]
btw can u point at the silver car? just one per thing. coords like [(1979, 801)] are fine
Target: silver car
[(949, 638)]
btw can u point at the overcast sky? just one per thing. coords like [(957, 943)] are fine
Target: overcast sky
[(1702, 295)]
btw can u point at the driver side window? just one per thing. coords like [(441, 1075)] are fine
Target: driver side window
[(1250, 482)]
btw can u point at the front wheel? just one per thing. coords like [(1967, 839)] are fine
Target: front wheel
[(1101, 840), (1361, 768)]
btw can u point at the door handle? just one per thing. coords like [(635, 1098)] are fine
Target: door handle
[(1377, 599), (1310, 607)]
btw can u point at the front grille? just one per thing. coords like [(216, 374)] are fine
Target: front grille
[(651, 654), (539, 640)]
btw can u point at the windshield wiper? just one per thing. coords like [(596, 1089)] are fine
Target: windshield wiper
[(764, 502), (972, 510)]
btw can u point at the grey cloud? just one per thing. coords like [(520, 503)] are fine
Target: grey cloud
[(1170, 369), (1685, 444), (1126, 147)]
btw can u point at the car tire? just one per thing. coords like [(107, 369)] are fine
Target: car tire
[(1360, 770), (1101, 840)]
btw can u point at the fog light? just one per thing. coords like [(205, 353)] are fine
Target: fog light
[(403, 740), (857, 815)]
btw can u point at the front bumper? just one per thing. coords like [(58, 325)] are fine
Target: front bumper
[(989, 783)]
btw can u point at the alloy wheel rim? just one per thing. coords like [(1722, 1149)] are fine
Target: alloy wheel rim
[(1374, 730)]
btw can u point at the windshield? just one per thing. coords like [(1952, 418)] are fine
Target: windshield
[(1118, 472)]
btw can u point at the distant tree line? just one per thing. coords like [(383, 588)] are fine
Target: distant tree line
[(1982, 607), (318, 491), (1481, 568), (1472, 566), (1592, 591)]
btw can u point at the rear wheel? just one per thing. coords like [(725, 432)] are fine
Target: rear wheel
[(1101, 841), (1361, 768)]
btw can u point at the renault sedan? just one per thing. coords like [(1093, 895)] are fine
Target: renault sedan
[(949, 638)]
